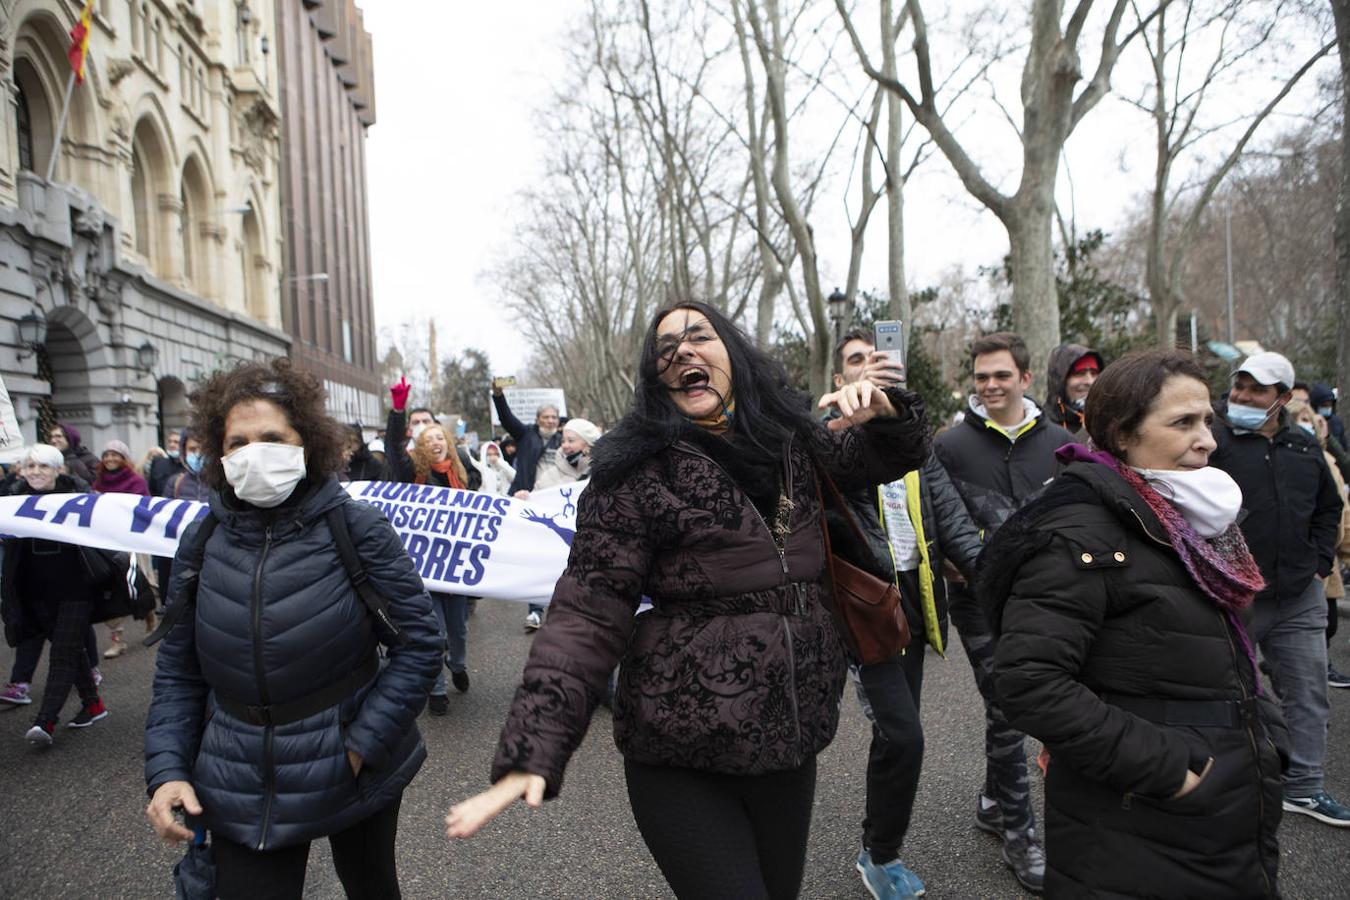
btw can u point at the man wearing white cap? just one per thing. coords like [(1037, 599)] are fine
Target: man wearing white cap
[(1293, 511)]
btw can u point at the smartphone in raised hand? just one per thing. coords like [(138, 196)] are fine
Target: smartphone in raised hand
[(889, 338)]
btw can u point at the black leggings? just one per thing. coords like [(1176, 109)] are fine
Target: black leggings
[(742, 837), (362, 854)]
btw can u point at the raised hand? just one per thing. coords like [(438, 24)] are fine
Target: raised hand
[(882, 371), (398, 393)]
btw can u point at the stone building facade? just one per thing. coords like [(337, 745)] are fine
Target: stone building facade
[(327, 102), (153, 256)]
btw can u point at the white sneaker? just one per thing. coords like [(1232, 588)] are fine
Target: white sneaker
[(39, 737), (533, 622)]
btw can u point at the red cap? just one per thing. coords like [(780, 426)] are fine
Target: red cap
[(1086, 361)]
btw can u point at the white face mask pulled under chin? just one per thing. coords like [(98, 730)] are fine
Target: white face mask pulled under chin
[(265, 474), (1209, 499)]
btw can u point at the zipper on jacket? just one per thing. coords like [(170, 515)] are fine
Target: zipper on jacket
[(1250, 727), (260, 675), (782, 562)]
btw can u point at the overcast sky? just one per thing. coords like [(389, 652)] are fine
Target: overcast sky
[(456, 85)]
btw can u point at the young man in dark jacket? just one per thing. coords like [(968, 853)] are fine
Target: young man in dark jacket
[(536, 446), (999, 457), (1068, 378), (912, 526), (1293, 515)]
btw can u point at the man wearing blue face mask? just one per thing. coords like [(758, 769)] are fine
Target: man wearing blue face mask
[(1293, 513)]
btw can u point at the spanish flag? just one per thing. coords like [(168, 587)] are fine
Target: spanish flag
[(79, 41)]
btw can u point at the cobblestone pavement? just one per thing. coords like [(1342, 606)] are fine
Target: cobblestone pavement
[(71, 821)]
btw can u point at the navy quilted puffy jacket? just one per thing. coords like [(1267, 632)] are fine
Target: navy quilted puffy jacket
[(276, 620)]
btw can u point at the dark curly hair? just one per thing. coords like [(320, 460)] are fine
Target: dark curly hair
[(299, 394)]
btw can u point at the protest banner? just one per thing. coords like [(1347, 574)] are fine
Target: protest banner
[(462, 542)]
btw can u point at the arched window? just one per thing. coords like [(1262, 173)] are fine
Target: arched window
[(141, 202), (197, 223), (33, 125), (24, 128)]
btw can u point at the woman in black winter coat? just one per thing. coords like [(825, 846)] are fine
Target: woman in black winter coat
[(47, 591), (1119, 595), (272, 717)]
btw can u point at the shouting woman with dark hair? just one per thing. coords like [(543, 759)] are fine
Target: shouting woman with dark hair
[(1120, 594), (704, 498), (272, 717)]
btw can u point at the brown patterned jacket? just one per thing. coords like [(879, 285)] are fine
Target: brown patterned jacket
[(737, 668)]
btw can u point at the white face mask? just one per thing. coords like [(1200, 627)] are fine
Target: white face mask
[(418, 429), (265, 474), (1209, 499)]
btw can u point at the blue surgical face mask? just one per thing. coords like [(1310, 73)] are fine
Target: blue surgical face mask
[(1308, 428), (194, 462), (173, 454), (1324, 411), (1249, 418)]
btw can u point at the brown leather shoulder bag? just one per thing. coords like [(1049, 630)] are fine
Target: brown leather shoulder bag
[(867, 610)]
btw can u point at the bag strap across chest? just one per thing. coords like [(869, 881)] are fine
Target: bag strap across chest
[(378, 607)]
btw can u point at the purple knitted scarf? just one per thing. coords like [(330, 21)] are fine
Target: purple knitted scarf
[(1222, 567)]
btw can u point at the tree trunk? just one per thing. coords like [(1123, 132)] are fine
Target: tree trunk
[(1035, 302), (1340, 10), (895, 179)]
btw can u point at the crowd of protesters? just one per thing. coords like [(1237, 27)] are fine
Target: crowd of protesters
[(1143, 577)]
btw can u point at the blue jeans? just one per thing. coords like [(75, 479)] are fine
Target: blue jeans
[(1292, 637), (452, 612)]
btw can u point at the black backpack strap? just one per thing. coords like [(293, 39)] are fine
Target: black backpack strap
[(187, 600), (356, 572)]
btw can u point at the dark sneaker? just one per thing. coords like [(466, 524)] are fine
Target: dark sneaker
[(438, 705), (891, 881), (1321, 806), (40, 735), (89, 715), (1336, 679), (988, 818), (460, 680), (1026, 857)]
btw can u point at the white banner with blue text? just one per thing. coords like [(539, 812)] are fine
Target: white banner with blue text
[(462, 542)]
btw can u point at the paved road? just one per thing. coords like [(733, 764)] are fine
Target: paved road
[(71, 823)]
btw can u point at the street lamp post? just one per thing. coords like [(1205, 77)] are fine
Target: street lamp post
[(837, 305)]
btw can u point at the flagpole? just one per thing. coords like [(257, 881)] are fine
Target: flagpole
[(60, 127)]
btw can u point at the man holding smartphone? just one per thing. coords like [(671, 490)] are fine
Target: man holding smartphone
[(912, 526)]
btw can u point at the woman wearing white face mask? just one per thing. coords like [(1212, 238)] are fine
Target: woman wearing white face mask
[(271, 718), (1118, 594)]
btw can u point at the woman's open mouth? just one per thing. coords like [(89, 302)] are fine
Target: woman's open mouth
[(694, 381)]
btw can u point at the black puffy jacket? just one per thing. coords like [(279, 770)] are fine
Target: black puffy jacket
[(277, 619), (1098, 615), (1292, 503), (996, 475)]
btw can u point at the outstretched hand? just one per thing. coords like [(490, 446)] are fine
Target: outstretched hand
[(859, 402), (398, 393), (464, 819)]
